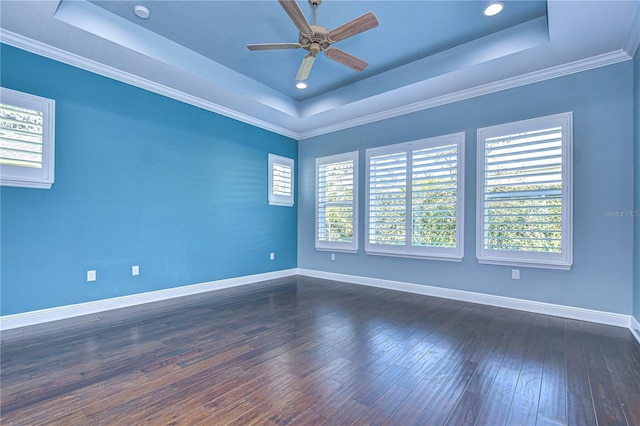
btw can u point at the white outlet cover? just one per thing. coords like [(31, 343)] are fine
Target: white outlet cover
[(91, 275), (135, 270), (515, 274)]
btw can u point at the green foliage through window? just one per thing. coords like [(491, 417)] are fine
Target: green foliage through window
[(415, 197), (335, 202), (523, 191)]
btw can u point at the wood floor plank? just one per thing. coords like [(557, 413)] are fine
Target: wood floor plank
[(302, 350), (580, 409), (605, 396), (496, 406), (524, 406)]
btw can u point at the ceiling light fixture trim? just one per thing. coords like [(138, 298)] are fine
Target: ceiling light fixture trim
[(141, 11), (493, 9)]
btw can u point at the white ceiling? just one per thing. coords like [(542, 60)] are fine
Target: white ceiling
[(424, 53)]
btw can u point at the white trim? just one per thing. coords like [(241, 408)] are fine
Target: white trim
[(581, 314), (42, 49), (25, 319), (635, 328), (562, 260), (8, 322), (60, 55), (474, 92)]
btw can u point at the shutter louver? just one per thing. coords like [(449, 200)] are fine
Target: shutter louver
[(388, 199), (335, 202), (523, 201), (415, 199), (434, 196), (21, 136), (282, 179)]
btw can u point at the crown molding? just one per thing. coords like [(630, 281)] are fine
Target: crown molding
[(485, 89), (42, 49), (68, 58)]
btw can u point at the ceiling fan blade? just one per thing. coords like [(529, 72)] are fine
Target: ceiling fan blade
[(294, 12), (273, 46), (356, 26), (346, 59), (305, 67)]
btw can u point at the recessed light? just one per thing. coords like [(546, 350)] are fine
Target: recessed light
[(493, 9), (301, 85), (141, 11)]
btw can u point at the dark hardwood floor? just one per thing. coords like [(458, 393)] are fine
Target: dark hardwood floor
[(309, 351)]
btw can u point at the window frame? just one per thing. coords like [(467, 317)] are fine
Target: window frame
[(338, 246), (26, 177), (563, 260), (408, 250), (278, 199)]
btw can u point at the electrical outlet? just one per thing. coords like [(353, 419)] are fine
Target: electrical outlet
[(515, 274), (272, 256), (135, 270), (333, 256), (91, 275)]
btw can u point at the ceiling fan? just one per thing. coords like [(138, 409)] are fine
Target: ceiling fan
[(316, 38)]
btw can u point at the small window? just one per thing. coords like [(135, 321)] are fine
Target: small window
[(415, 199), (280, 181), (337, 202), (26, 140), (524, 193)]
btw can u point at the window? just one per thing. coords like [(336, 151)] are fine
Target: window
[(280, 180), (524, 193), (337, 202), (415, 198), (26, 140)]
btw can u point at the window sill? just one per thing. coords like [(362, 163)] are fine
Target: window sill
[(25, 184), (337, 250), (524, 264), (445, 258)]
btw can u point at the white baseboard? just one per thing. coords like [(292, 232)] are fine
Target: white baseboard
[(635, 328), (25, 319), (9, 322), (582, 314)]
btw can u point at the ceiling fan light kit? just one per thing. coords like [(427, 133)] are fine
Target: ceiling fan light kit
[(316, 38)]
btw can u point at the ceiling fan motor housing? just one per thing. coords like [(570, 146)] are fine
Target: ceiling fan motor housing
[(319, 36)]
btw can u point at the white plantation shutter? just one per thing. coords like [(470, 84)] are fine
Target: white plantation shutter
[(336, 202), (415, 198), (280, 180), (524, 188), (387, 199), (26, 139), (434, 192), (20, 136)]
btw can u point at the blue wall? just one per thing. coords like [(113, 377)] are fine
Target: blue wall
[(602, 275), (141, 179), (636, 227)]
